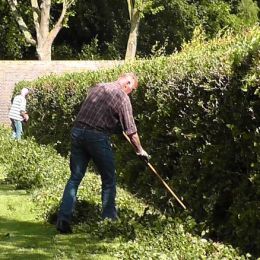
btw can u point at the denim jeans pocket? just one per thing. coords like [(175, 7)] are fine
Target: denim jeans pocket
[(76, 134)]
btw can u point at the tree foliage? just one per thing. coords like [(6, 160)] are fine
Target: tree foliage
[(12, 43), (164, 26)]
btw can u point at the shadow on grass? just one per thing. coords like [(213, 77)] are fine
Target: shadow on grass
[(25, 240)]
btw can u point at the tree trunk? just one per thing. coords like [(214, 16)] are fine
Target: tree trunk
[(132, 40), (44, 51)]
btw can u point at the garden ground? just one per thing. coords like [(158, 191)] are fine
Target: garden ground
[(22, 236)]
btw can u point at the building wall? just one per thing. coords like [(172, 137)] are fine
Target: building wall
[(11, 72)]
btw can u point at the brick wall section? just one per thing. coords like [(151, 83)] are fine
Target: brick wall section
[(11, 72)]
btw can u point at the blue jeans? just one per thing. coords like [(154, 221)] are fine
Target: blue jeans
[(86, 145), (17, 127)]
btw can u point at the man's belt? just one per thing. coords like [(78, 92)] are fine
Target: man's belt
[(82, 125)]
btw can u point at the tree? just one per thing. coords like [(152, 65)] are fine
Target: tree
[(41, 19), (137, 9)]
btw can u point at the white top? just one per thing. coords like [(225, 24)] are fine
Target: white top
[(18, 105)]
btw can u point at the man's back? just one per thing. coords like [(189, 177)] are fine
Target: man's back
[(105, 106)]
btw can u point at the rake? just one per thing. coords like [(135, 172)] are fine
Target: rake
[(159, 177)]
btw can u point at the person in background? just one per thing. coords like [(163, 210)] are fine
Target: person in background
[(106, 107), (18, 113)]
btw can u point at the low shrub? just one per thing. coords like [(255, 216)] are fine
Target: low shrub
[(28, 165)]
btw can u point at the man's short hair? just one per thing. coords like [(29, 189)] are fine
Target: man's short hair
[(129, 74)]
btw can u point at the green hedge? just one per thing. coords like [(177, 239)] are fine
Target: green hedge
[(28, 165), (198, 115)]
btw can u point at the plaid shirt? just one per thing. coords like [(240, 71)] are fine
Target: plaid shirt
[(107, 107)]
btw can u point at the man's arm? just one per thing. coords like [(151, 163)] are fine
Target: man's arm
[(25, 115), (135, 141), (128, 124)]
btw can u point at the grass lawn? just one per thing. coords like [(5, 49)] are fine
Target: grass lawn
[(22, 236)]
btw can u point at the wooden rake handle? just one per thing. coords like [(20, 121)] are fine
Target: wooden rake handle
[(159, 177)]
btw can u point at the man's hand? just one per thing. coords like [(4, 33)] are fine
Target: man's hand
[(25, 117), (144, 155)]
